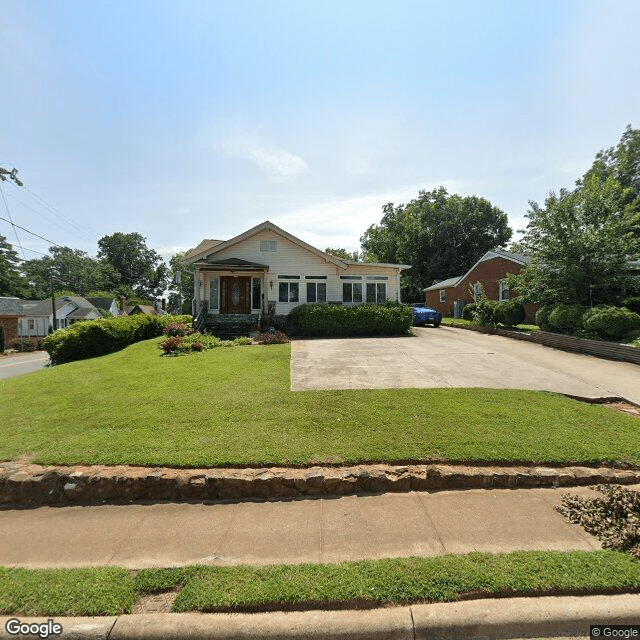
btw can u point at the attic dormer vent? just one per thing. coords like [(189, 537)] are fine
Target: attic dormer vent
[(268, 245)]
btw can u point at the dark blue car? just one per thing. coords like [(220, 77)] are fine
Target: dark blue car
[(423, 315)]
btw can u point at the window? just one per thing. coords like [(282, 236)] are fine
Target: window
[(351, 291), (477, 291), (32, 325), (316, 291), (213, 292), (288, 292), (268, 245), (443, 295), (376, 292), (504, 291), (256, 298)]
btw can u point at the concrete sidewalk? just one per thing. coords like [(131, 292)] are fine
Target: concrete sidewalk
[(269, 532)]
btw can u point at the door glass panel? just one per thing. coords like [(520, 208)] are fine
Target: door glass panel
[(213, 292), (235, 293)]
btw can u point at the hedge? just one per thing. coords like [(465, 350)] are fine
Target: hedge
[(612, 322), (489, 313), (90, 338), (361, 320), (566, 318)]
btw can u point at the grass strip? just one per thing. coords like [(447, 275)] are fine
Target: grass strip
[(80, 592), (111, 591), (234, 406), (402, 580)]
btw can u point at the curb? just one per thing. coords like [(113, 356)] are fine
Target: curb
[(34, 485), (494, 618)]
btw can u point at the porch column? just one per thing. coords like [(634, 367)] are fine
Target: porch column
[(265, 293), (195, 305), (398, 285)]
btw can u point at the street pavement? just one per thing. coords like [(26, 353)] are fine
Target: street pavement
[(318, 530), (16, 364), (448, 357)]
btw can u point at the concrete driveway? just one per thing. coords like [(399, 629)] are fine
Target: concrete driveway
[(448, 357)]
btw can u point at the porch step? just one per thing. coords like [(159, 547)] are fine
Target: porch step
[(231, 325)]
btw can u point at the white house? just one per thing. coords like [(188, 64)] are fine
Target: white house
[(266, 270)]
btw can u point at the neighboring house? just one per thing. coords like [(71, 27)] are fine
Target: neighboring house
[(486, 277), (268, 271), (10, 309), (107, 306), (33, 318)]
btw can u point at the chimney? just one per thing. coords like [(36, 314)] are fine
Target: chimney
[(164, 304), (123, 302)]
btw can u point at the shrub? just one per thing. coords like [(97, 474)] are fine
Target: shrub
[(105, 335), (242, 340), (175, 329), (542, 317), (207, 341), (613, 518), (277, 337), (468, 311), (197, 346), (566, 318), (510, 313), (360, 320), (171, 344), (632, 336), (488, 313), (612, 322), (633, 304)]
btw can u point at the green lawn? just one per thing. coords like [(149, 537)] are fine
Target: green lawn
[(233, 406), (111, 591)]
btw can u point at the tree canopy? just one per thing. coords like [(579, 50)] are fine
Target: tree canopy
[(343, 253), (72, 270), (439, 235), (581, 241), (181, 294), (12, 282), (138, 266)]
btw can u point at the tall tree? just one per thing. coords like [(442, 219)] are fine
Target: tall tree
[(12, 282), (139, 267), (72, 270), (343, 253), (438, 234), (181, 294), (581, 241)]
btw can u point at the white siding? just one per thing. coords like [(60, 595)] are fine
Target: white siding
[(292, 259)]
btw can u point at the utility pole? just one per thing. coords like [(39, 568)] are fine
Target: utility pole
[(53, 304)]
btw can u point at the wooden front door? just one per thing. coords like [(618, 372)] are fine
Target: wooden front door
[(235, 294)]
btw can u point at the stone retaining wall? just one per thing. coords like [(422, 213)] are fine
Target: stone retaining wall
[(34, 485), (601, 349)]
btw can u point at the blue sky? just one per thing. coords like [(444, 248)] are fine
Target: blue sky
[(200, 119)]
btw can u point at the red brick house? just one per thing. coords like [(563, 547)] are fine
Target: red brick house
[(486, 276)]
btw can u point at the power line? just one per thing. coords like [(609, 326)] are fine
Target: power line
[(55, 244), (10, 221), (81, 228)]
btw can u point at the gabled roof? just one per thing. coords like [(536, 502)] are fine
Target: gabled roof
[(37, 308), (102, 303), (519, 258), (204, 246), (10, 306), (205, 249)]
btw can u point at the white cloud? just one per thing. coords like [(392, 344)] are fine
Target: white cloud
[(341, 222), (239, 140), (280, 164)]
